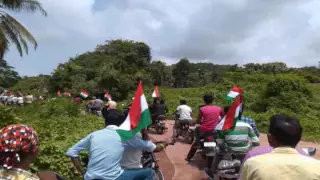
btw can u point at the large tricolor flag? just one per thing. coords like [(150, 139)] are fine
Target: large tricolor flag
[(108, 96), (84, 94), (138, 117), (230, 119), (155, 93)]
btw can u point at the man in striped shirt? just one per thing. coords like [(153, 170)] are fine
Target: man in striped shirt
[(236, 141), (251, 122)]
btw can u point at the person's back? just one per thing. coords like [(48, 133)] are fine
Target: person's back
[(97, 103), (210, 115), (238, 140), (104, 160), (161, 109), (185, 112), (283, 164), (131, 158), (29, 99)]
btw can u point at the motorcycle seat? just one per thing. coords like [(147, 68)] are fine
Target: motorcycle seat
[(205, 134)]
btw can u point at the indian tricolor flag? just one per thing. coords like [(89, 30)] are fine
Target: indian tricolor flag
[(138, 117), (107, 96), (230, 119), (84, 94), (235, 91), (155, 93), (67, 93)]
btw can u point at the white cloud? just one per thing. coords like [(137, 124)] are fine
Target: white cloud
[(229, 31)]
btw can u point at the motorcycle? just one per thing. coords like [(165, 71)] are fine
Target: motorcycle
[(160, 125), (149, 160), (229, 166), (186, 131)]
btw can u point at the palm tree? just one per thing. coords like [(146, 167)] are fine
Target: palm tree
[(11, 31)]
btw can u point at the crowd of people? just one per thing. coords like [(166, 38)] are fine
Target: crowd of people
[(111, 158), (17, 98)]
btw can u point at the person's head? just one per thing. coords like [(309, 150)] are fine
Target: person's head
[(208, 99), (19, 146), (183, 102), (156, 100), (112, 105), (114, 117), (226, 109), (284, 130), (162, 101)]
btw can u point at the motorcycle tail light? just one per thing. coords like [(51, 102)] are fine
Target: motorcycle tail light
[(209, 139)]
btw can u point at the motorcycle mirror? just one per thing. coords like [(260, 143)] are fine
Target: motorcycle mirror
[(48, 175), (310, 151)]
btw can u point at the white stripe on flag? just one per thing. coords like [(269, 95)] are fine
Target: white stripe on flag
[(233, 94)]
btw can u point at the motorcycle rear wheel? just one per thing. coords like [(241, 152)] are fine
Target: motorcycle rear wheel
[(158, 175)]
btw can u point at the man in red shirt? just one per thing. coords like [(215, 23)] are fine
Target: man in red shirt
[(209, 116)]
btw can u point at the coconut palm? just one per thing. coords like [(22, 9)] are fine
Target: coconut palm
[(11, 31)]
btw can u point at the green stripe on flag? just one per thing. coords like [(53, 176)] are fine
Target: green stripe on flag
[(144, 121)]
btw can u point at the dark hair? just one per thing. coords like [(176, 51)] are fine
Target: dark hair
[(183, 101), (285, 129), (208, 99), (114, 117), (162, 101), (155, 100), (226, 109)]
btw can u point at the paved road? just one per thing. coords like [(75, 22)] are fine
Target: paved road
[(193, 170)]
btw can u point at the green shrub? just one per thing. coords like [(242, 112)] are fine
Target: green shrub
[(7, 116), (59, 107)]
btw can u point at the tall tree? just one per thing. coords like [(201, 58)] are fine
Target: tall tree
[(11, 31), (8, 76), (181, 72)]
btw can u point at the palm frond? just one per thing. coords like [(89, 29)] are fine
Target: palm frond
[(15, 33), (4, 44), (23, 5)]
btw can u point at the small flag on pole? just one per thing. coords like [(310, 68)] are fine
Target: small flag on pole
[(155, 93), (107, 96), (84, 94)]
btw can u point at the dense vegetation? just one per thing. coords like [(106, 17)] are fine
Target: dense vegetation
[(118, 65)]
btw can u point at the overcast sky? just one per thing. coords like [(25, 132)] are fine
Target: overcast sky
[(219, 31)]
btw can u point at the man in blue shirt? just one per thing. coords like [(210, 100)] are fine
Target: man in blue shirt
[(105, 152), (251, 122)]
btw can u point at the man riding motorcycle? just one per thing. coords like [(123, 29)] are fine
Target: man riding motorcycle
[(185, 117), (236, 141)]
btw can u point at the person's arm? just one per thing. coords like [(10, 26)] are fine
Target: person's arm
[(254, 139), (199, 117), (138, 143), (254, 127), (73, 152)]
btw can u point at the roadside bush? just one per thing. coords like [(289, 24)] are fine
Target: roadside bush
[(287, 92), (59, 107), (7, 116)]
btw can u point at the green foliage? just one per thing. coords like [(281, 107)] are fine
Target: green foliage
[(59, 107), (7, 116), (8, 76)]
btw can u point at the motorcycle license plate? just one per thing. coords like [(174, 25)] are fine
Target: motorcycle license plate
[(209, 144)]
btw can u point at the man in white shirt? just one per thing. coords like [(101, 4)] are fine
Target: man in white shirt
[(131, 158), (185, 117)]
